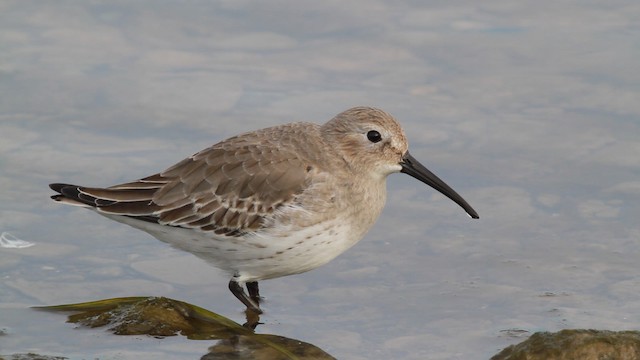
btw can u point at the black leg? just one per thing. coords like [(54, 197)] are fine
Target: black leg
[(254, 293), (238, 291)]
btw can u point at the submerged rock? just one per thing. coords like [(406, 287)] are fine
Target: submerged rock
[(160, 317), (576, 344), (154, 316)]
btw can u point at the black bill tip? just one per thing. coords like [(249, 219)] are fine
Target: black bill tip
[(411, 166)]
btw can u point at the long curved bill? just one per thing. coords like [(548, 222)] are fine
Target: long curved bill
[(412, 167)]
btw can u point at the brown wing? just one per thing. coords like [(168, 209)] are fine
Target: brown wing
[(228, 188)]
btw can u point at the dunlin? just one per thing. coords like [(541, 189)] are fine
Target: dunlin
[(272, 202)]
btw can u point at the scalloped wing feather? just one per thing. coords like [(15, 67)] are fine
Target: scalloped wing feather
[(228, 188)]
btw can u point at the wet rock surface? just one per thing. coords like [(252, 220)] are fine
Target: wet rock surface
[(161, 317), (576, 344)]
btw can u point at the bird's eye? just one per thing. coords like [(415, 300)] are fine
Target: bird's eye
[(374, 136)]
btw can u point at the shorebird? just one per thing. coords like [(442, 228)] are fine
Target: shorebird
[(272, 202)]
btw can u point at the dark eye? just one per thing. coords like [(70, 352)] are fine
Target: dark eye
[(374, 136)]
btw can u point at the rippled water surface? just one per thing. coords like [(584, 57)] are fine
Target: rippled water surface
[(530, 110)]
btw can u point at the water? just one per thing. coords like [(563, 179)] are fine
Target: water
[(529, 110)]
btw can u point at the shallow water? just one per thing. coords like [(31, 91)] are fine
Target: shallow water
[(529, 110)]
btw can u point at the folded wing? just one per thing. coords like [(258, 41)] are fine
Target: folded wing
[(230, 189)]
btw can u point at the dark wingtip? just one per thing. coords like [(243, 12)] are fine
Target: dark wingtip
[(57, 187), (72, 192), (66, 190)]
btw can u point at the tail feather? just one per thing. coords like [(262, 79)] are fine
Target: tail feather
[(117, 195), (81, 196), (70, 194)]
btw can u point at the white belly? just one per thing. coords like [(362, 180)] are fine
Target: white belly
[(263, 255)]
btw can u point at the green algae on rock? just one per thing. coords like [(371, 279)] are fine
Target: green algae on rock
[(576, 344), (154, 316), (160, 317)]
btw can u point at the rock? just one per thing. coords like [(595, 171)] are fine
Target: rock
[(576, 344)]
